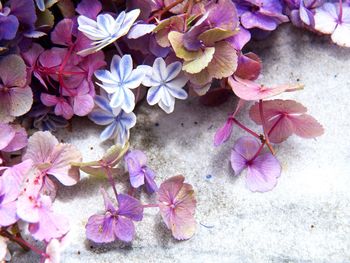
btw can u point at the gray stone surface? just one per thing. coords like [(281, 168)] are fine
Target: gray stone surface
[(304, 219)]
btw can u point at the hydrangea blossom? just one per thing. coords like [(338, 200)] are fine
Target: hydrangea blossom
[(263, 169), (140, 173), (8, 196), (119, 81), (166, 84), (177, 206), (118, 121), (334, 19), (115, 222), (106, 30)]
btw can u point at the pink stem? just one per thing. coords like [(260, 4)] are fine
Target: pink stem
[(267, 141), (245, 128)]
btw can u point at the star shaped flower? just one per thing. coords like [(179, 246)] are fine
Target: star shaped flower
[(105, 30), (119, 81), (166, 84), (118, 121)]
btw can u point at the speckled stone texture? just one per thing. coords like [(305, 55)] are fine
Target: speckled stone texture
[(306, 218)]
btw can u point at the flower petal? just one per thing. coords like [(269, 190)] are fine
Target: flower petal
[(100, 228), (124, 229), (130, 207), (108, 132), (101, 117)]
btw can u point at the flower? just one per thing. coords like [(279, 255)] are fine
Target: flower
[(177, 206), (53, 158), (16, 97), (119, 122), (115, 222), (249, 90), (105, 30), (334, 19), (262, 14), (263, 169), (285, 117), (44, 223), (119, 81), (166, 84), (136, 162), (8, 24)]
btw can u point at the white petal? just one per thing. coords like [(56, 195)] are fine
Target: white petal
[(325, 18), (129, 100), (125, 67), (178, 93), (135, 79), (129, 20), (117, 99), (341, 35), (106, 77), (106, 23), (108, 132), (167, 109), (178, 82), (159, 70), (154, 95)]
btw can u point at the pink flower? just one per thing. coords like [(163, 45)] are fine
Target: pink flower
[(177, 206), (115, 222), (285, 117), (8, 196), (53, 158), (249, 90), (44, 223), (62, 107), (12, 138), (263, 169)]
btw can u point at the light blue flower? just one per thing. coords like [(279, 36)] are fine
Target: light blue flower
[(119, 81), (105, 30), (166, 84), (118, 121)]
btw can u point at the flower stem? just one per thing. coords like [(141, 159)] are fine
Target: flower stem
[(242, 126), (20, 241), (118, 49), (164, 10), (150, 205), (267, 141), (111, 180), (258, 151)]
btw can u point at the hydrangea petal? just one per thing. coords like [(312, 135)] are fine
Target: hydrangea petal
[(130, 207), (124, 229), (100, 228)]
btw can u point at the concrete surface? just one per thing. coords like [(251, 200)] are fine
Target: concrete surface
[(306, 218)]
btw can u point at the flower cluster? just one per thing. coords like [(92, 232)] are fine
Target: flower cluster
[(100, 59), (28, 190)]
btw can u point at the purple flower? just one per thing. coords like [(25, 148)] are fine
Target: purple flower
[(115, 223), (136, 162), (302, 11), (262, 14), (263, 169), (8, 24)]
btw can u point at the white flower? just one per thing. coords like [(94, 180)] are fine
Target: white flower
[(166, 84), (118, 122), (106, 29), (119, 81)]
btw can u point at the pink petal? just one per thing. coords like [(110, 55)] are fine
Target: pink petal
[(249, 66), (62, 34), (263, 173), (13, 71), (18, 142), (249, 90), (48, 100), (8, 214), (124, 229), (17, 173), (50, 225), (27, 209), (83, 105), (306, 126), (223, 133), (53, 252), (40, 147), (64, 109), (61, 158), (7, 133), (247, 147), (170, 188), (20, 100)]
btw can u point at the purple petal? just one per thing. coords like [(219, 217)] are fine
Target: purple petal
[(130, 207), (89, 8), (124, 229), (151, 185), (100, 228), (263, 173), (223, 133)]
